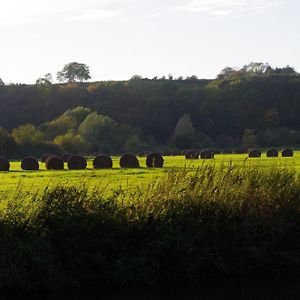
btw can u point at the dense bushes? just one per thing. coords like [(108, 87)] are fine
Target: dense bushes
[(217, 222)]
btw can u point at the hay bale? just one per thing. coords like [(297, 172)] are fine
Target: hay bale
[(287, 153), (54, 162), (45, 156), (191, 154), (272, 153), (254, 153), (129, 161), (102, 162), (4, 164), (207, 154), (29, 163), (77, 162), (66, 156), (155, 160)]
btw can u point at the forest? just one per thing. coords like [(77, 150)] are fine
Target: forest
[(256, 105)]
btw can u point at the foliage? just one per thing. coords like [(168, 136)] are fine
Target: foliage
[(71, 143), (212, 223), (74, 71)]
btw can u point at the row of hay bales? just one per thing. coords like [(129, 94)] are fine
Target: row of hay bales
[(255, 153), (79, 162)]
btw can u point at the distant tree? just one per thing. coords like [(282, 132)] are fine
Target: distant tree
[(183, 132), (170, 77), (78, 113), (227, 73), (133, 144), (71, 143), (136, 77), (249, 138), (7, 143), (184, 127), (1, 83), (27, 135), (73, 72)]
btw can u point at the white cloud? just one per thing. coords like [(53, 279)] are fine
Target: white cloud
[(225, 7), (13, 12)]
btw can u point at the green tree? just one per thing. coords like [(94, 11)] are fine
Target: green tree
[(249, 138), (71, 142), (73, 72), (7, 143), (1, 83), (27, 135)]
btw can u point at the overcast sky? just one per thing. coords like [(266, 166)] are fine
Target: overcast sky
[(120, 38)]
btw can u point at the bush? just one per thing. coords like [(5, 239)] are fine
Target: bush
[(77, 162), (30, 163), (129, 161), (54, 163), (102, 162), (4, 164), (154, 160)]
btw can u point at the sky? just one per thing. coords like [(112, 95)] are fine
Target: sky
[(121, 38)]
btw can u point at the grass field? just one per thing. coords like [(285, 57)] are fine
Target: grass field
[(110, 180)]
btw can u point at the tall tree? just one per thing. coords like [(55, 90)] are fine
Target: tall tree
[(73, 72)]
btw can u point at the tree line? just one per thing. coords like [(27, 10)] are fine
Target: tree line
[(256, 105)]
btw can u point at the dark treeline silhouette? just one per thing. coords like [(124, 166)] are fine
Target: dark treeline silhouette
[(256, 106)]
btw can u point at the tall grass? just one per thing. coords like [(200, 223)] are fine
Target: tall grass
[(215, 222)]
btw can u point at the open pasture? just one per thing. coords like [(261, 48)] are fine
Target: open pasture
[(112, 179)]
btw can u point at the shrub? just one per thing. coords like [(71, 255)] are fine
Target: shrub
[(54, 163), (287, 153), (30, 163), (4, 164), (102, 162), (129, 161), (155, 160), (77, 162), (207, 154), (45, 156), (254, 153), (272, 153)]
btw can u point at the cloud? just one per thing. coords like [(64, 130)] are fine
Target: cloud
[(226, 7), (14, 12)]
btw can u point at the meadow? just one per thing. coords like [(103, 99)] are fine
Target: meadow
[(110, 180)]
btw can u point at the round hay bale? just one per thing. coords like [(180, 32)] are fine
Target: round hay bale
[(45, 156), (155, 160), (66, 156), (77, 162), (4, 164), (129, 161), (287, 153), (54, 162), (227, 151), (192, 154), (29, 163), (102, 162), (272, 153), (254, 153), (207, 154)]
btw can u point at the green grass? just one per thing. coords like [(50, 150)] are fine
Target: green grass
[(110, 180)]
